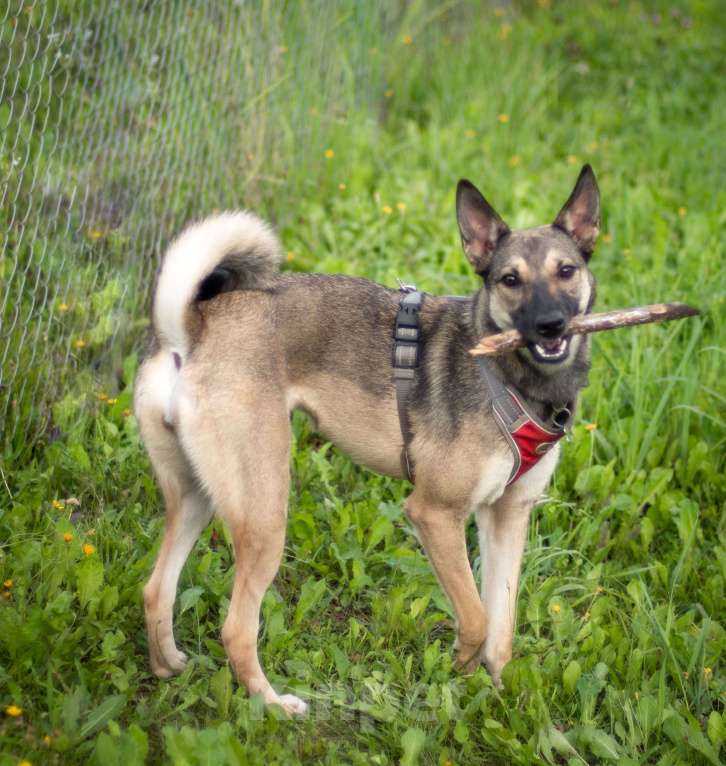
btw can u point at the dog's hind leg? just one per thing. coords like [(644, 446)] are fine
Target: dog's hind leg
[(442, 534), (249, 482), (188, 511)]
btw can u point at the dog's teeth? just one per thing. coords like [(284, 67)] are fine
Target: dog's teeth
[(552, 353)]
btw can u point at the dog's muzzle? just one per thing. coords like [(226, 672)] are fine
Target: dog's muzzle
[(549, 344)]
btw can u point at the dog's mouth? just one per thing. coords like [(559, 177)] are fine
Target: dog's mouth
[(550, 351)]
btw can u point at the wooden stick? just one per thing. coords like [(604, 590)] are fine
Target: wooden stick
[(501, 343)]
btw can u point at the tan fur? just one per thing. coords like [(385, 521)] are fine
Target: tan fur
[(364, 426), (248, 345), (231, 435)]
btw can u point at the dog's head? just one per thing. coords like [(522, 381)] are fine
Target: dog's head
[(537, 279)]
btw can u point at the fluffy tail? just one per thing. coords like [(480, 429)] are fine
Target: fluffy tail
[(231, 251)]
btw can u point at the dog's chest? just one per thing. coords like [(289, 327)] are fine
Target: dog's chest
[(494, 475)]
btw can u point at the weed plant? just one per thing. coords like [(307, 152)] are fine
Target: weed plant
[(620, 640)]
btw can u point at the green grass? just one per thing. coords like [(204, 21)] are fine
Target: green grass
[(621, 637)]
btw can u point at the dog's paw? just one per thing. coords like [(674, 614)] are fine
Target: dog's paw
[(494, 661), (176, 661), (468, 656), (169, 664), (467, 662), (161, 671), (291, 704)]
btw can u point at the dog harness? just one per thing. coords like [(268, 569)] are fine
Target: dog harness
[(528, 438), (406, 339)]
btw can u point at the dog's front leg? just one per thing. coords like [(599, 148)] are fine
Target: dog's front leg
[(502, 537), (441, 531)]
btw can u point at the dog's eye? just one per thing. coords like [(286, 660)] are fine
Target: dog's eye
[(567, 271), (510, 280)]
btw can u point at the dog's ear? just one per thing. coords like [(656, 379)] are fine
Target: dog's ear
[(580, 216), (480, 225)]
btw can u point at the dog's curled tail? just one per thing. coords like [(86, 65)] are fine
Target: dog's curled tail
[(230, 251)]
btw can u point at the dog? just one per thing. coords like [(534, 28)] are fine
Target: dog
[(237, 345)]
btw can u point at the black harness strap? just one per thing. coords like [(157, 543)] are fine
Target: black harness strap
[(406, 338)]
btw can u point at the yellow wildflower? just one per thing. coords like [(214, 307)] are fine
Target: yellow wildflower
[(24, 763), (290, 255), (329, 154), (88, 549), (14, 711), (80, 343), (407, 40), (590, 426), (599, 589), (503, 118), (102, 397), (499, 12), (7, 595), (504, 31), (8, 584), (342, 187), (685, 674), (572, 159), (388, 93), (126, 413), (62, 307), (707, 672), (96, 234), (387, 209), (682, 211), (470, 134), (57, 505), (515, 161), (111, 402), (607, 238), (556, 608), (47, 740), (401, 206), (67, 537)]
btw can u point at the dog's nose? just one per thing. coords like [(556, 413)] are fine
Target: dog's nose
[(551, 325)]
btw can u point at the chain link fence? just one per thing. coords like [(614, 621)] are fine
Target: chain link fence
[(120, 121)]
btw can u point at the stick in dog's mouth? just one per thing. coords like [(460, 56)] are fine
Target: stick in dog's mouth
[(501, 343)]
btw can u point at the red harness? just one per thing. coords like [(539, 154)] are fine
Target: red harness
[(528, 439)]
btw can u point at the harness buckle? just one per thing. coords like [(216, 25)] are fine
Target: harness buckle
[(405, 288), (405, 355), (561, 417)]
